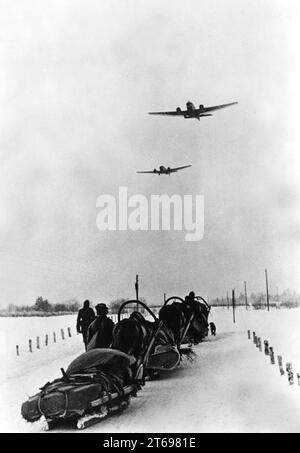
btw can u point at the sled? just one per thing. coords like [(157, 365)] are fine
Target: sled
[(162, 353), (94, 386), (202, 332)]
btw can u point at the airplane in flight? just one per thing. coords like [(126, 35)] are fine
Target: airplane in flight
[(164, 171), (192, 112)]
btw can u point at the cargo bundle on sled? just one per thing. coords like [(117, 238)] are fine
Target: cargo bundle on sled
[(96, 384), (163, 354)]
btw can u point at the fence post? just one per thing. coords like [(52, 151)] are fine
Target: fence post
[(253, 333), (30, 346), (249, 335), (272, 356), (298, 378), (266, 343), (69, 331), (279, 358), (62, 334), (54, 337), (46, 340), (259, 343), (37, 342), (17, 349), (289, 369)]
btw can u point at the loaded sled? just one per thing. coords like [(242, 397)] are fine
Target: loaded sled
[(195, 326), (95, 385), (163, 353), (99, 382)]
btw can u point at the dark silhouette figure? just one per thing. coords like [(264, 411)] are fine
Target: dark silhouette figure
[(100, 331), (212, 327), (174, 318), (85, 316), (129, 337), (190, 304), (199, 325)]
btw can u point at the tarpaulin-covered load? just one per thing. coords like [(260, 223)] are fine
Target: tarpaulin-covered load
[(111, 360), (163, 352), (95, 384)]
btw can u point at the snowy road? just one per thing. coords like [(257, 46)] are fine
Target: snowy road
[(230, 387)]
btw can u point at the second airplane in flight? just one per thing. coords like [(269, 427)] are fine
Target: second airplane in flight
[(164, 171)]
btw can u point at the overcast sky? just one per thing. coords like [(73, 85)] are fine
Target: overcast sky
[(77, 79)]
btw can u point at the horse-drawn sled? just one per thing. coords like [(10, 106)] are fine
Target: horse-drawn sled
[(95, 385), (101, 382)]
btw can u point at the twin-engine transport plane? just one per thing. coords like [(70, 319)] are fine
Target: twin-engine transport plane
[(192, 112), (164, 171)]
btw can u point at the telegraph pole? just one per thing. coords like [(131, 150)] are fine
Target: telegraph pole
[(267, 288), (137, 291), (246, 302), (233, 306)]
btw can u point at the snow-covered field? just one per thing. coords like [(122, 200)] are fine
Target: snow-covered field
[(230, 387)]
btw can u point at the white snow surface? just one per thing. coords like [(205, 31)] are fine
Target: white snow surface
[(230, 387)]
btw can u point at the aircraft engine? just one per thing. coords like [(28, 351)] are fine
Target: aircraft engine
[(155, 170), (201, 106), (178, 109)]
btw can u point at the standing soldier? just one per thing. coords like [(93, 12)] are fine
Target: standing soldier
[(100, 331), (85, 316)]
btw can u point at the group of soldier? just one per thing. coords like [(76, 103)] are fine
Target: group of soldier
[(97, 330)]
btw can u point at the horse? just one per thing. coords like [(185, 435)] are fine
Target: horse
[(188, 322), (174, 318), (199, 326), (131, 335)]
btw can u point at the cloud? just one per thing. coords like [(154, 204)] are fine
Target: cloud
[(79, 79)]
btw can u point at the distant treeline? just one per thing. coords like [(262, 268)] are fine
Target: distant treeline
[(258, 301), (42, 307)]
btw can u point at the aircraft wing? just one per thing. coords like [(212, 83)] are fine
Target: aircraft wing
[(173, 113), (147, 171), (179, 168), (215, 107)]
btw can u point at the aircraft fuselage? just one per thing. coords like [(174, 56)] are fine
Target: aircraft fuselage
[(163, 170), (191, 111)]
